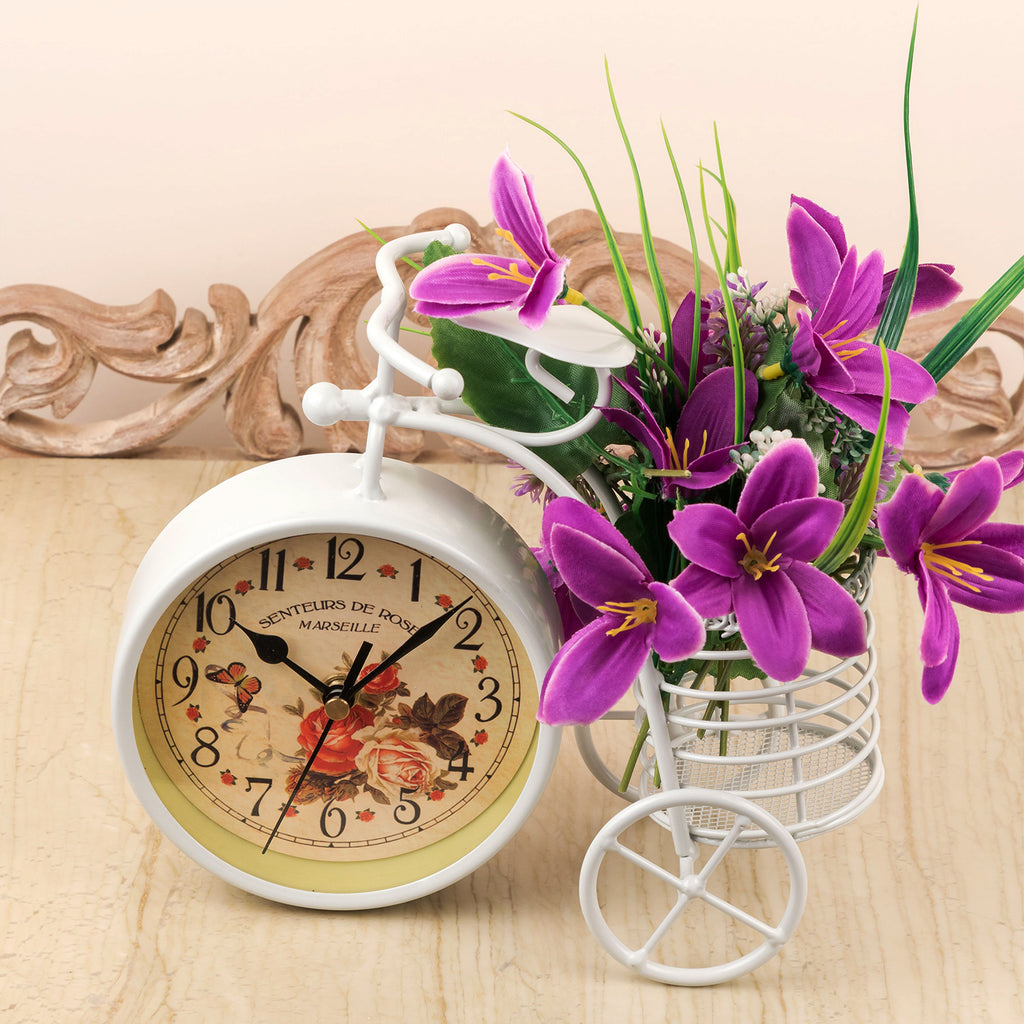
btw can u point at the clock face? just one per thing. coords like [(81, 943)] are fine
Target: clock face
[(233, 694)]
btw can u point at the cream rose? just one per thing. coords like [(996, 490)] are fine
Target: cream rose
[(394, 760)]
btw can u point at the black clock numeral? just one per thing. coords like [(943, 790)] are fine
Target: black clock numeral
[(249, 782), (221, 603), (335, 814), (492, 696), (470, 620), (411, 808), (417, 569), (265, 557), (187, 681), (212, 755), (461, 765), (348, 554)]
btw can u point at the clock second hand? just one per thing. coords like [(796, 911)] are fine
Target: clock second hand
[(353, 673)]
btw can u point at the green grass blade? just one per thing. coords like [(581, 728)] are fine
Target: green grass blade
[(858, 515), (975, 322), (732, 246), (653, 271), (618, 263), (695, 340), (739, 377), (897, 306)]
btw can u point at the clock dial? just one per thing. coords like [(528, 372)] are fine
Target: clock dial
[(260, 655)]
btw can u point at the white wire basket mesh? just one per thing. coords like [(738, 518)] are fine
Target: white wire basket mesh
[(805, 751)]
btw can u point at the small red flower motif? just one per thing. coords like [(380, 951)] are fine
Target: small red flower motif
[(292, 811), (243, 586), (302, 562), (200, 644), (436, 794), (192, 713), (388, 571), (227, 777), (444, 601), (366, 815), (480, 737), (479, 663)]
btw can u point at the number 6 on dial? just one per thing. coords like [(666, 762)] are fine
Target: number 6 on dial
[(240, 708)]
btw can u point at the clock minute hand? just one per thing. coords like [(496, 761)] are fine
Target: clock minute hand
[(417, 639), (274, 651)]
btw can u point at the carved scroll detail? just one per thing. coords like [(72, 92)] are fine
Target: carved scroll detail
[(321, 305)]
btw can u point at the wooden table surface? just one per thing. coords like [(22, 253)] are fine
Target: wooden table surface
[(915, 910)]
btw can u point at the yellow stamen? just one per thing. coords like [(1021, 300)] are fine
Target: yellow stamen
[(507, 235), (756, 562), (773, 372), (636, 613), (952, 568), (510, 273), (573, 297)]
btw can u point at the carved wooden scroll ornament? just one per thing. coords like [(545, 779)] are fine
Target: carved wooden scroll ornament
[(312, 323)]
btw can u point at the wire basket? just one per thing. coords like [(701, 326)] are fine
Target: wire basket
[(805, 751)]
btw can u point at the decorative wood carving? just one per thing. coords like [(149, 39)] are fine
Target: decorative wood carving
[(313, 319)]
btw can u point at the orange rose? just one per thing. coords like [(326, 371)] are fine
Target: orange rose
[(337, 755), (384, 683)]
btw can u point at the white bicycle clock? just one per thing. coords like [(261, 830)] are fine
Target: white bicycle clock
[(326, 682)]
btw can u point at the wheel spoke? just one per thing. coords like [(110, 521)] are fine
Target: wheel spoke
[(723, 848), (647, 865), (659, 933), (769, 931)]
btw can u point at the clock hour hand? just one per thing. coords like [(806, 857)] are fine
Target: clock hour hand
[(417, 639), (274, 651)]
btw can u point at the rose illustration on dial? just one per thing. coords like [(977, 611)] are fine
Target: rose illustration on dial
[(363, 698)]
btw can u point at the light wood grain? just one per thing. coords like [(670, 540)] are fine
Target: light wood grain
[(915, 912)]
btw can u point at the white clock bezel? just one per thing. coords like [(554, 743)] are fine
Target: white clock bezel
[(317, 494)]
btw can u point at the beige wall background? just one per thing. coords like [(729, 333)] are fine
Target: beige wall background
[(177, 145)]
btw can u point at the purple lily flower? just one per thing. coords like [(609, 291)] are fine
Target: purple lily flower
[(755, 562), (466, 284), (846, 297), (956, 555), (636, 613), (696, 453)]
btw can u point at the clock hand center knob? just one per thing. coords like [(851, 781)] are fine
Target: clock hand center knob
[(335, 704)]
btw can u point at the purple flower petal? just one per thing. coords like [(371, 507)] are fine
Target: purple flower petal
[(832, 225), (940, 623), (708, 592), (836, 620), (581, 517), (813, 255), (787, 472), (972, 498), (935, 289), (548, 283), (903, 519), (515, 210), (590, 672), (706, 534), (678, 630), (992, 579), (594, 571), (800, 529), (773, 623)]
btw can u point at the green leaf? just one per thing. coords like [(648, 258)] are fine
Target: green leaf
[(502, 393), (858, 515), (739, 377), (653, 271), (618, 263), (732, 246), (695, 340), (897, 306), (975, 322)]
